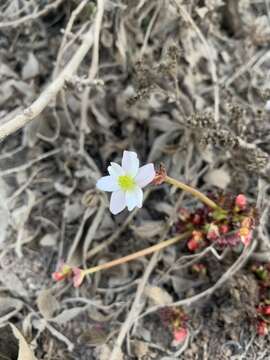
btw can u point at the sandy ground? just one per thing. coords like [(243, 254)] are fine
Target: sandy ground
[(182, 83)]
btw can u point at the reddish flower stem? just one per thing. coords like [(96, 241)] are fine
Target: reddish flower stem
[(138, 254)]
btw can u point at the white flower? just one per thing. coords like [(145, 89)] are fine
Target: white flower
[(126, 182)]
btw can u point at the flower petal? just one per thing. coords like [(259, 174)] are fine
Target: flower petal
[(130, 163), (134, 198), (118, 202), (107, 183), (115, 170), (145, 175)]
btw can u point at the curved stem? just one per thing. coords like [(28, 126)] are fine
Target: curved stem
[(137, 254), (192, 191)]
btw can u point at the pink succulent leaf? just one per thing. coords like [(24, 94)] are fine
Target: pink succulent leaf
[(78, 276), (180, 335)]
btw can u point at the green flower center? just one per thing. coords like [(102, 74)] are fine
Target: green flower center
[(126, 182)]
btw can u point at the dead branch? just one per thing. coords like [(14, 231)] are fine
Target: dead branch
[(67, 31), (135, 309), (92, 73), (50, 92), (208, 54), (33, 16)]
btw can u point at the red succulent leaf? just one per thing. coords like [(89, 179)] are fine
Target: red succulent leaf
[(180, 334)]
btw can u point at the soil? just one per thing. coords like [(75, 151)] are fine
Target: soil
[(182, 83)]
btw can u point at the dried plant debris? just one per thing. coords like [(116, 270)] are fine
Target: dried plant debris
[(183, 83), (13, 345)]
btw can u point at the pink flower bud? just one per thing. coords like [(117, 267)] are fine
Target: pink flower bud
[(193, 244), (63, 271), (78, 276), (224, 229), (180, 335), (212, 235), (262, 328), (241, 201), (265, 310), (57, 276)]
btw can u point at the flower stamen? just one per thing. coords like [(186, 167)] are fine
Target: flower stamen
[(126, 182)]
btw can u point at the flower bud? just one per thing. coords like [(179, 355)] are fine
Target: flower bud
[(264, 310), (262, 328), (63, 271), (160, 175), (57, 276), (90, 198), (180, 335), (224, 229), (193, 244), (241, 201)]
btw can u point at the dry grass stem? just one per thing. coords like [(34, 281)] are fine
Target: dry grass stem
[(50, 92)]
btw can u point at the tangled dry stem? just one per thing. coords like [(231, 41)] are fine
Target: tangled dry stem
[(232, 270), (189, 170), (31, 17), (51, 91)]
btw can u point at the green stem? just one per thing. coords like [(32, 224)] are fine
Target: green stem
[(192, 191)]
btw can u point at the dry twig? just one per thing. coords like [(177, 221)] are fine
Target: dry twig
[(50, 92), (208, 54), (135, 309), (35, 15), (92, 73)]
